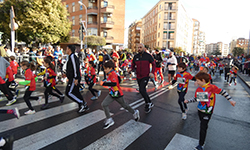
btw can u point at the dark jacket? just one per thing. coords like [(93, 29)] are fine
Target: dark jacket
[(106, 57), (142, 64), (158, 60), (73, 68)]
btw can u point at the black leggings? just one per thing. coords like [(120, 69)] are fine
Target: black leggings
[(27, 98), (181, 101), (72, 91), (6, 91), (48, 91), (91, 89), (142, 88), (204, 119)]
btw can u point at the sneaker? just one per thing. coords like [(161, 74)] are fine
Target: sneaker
[(17, 93), (45, 106), (39, 100), (16, 113), (1, 98), (170, 87), (81, 89), (156, 87), (229, 84), (199, 147), (94, 98), (83, 108), (30, 112), (235, 83), (11, 102), (162, 81), (99, 93), (2, 141), (184, 116), (108, 122), (62, 98), (148, 107), (136, 115), (130, 79), (16, 85)]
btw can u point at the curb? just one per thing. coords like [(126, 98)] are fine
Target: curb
[(244, 81)]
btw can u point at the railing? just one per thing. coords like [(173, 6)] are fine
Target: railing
[(108, 22), (109, 6), (92, 7), (91, 22)]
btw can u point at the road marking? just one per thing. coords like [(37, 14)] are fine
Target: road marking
[(41, 139), (21, 95), (27, 119), (121, 137), (182, 142)]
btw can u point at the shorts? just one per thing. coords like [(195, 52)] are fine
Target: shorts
[(172, 72)]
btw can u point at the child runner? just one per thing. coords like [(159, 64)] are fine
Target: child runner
[(92, 81), (221, 65), (9, 79), (205, 95), (182, 78), (50, 82), (30, 85), (205, 69), (115, 94), (14, 66), (233, 75)]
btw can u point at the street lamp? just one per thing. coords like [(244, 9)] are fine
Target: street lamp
[(83, 25)]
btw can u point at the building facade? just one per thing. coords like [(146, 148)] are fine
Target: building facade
[(242, 43), (134, 35), (104, 18), (232, 45), (202, 43), (219, 46), (167, 25)]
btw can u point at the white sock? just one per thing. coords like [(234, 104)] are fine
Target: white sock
[(2, 142)]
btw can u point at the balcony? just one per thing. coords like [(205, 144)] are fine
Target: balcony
[(107, 25), (109, 39), (92, 24), (173, 28), (93, 10), (108, 9)]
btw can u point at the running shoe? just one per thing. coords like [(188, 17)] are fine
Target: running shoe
[(16, 113), (30, 112), (11, 102), (62, 98), (136, 115), (99, 93), (108, 122), (83, 108)]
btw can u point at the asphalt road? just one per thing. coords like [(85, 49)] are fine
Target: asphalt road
[(61, 127)]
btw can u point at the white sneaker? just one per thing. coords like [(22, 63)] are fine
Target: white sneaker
[(99, 93), (136, 115), (1, 98), (94, 98), (170, 87), (30, 112), (130, 79), (2, 141), (108, 122), (156, 87), (184, 116), (11, 102), (16, 113), (39, 100)]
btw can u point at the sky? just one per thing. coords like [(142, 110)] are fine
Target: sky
[(221, 20)]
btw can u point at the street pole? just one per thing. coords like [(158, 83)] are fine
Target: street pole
[(86, 20), (12, 31), (248, 44)]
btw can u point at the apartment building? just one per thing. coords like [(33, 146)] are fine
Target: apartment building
[(225, 50), (202, 43), (219, 46), (134, 35), (242, 43), (195, 42), (105, 18), (167, 25), (232, 45)]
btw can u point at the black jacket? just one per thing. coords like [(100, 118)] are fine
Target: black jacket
[(158, 60), (73, 68)]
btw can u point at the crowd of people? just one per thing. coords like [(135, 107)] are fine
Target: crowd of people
[(82, 69)]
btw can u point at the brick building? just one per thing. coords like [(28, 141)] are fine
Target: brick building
[(134, 35), (105, 18)]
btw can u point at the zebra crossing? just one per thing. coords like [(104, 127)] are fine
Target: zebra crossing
[(43, 137)]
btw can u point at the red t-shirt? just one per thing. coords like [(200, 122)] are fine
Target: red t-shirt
[(2, 81), (51, 73), (92, 72), (30, 77), (9, 74), (14, 65), (183, 80), (115, 91)]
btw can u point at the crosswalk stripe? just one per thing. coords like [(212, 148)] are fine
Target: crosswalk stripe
[(20, 96), (121, 137), (27, 119), (34, 103), (180, 142), (41, 139)]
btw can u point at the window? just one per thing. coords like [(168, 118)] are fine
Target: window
[(164, 35), (105, 34), (67, 6), (80, 7), (159, 25), (73, 32), (92, 31), (158, 34), (105, 18), (105, 4), (73, 7), (90, 19), (73, 20), (159, 16), (160, 7), (158, 44), (165, 26), (80, 18)]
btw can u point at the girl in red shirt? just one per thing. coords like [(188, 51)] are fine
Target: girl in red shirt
[(50, 82), (92, 80), (30, 85)]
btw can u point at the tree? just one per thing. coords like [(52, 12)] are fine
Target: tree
[(95, 40), (42, 21), (237, 51), (179, 50), (216, 52)]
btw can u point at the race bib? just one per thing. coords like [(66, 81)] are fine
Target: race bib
[(181, 80), (202, 96)]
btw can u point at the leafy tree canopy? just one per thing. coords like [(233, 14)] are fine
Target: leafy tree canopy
[(237, 51), (95, 40), (42, 21)]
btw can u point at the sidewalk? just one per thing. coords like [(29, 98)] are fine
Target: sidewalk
[(245, 79)]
